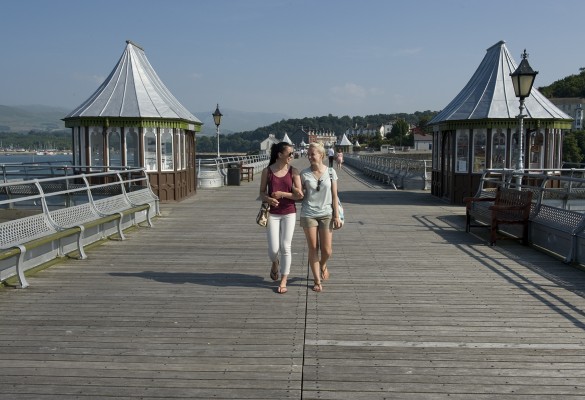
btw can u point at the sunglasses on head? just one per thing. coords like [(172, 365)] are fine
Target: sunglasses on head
[(319, 184)]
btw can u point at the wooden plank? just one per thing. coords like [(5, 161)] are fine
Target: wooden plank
[(415, 309)]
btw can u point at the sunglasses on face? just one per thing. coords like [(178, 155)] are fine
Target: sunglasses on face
[(319, 184), (289, 155)]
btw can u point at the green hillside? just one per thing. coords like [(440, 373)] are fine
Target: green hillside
[(570, 86), (31, 118)]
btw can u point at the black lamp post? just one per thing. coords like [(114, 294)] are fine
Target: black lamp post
[(217, 120), (523, 79)]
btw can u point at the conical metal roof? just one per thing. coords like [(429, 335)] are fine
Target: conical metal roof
[(344, 141), (489, 94), (133, 89)]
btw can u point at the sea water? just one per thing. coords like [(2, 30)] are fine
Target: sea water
[(35, 158), (28, 166)]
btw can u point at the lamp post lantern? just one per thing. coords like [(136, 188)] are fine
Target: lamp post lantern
[(217, 120), (523, 79)]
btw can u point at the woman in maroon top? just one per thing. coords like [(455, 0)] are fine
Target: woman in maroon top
[(280, 188)]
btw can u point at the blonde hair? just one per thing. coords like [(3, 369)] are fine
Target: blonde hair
[(318, 147)]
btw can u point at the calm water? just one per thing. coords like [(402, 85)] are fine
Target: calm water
[(33, 158)]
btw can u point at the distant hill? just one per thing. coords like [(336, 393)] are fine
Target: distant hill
[(47, 118), (237, 121), (570, 86), (31, 117)]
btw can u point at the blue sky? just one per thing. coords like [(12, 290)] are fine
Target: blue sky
[(302, 58)]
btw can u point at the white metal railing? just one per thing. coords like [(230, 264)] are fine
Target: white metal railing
[(47, 169), (401, 172), (212, 172)]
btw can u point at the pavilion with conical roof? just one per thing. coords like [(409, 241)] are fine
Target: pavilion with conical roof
[(479, 129), (133, 120), (344, 144)]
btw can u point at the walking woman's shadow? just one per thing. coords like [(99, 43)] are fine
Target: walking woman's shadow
[(209, 279)]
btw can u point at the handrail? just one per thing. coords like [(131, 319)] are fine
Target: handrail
[(16, 191)]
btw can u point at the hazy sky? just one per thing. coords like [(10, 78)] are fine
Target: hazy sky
[(302, 58)]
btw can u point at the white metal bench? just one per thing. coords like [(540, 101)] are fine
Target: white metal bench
[(49, 230)]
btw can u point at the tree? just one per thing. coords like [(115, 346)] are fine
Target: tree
[(571, 151), (399, 132)]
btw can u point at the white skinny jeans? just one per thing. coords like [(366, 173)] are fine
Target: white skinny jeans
[(280, 234)]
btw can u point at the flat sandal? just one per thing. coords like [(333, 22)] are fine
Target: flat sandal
[(317, 287)]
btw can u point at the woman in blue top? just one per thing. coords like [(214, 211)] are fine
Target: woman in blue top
[(280, 186), (319, 214)]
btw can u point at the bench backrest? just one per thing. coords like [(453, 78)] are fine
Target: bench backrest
[(513, 197), (25, 229), (516, 198)]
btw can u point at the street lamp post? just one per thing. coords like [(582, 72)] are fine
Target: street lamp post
[(217, 120), (523, 79)]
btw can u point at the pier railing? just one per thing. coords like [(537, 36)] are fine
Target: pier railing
[(213, 172), (398, 172)]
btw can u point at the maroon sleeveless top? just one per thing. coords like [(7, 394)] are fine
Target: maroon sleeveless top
[(284, 184)]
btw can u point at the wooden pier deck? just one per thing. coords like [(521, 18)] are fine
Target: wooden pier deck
[(415, 309)]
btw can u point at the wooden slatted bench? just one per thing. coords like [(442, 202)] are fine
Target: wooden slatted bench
[(246, 172), (507, 207)]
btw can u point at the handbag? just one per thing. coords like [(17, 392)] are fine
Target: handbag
[(262, 217), (339, 206)]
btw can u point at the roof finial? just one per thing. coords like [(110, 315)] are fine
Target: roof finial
[(134, 44), (524, 55)]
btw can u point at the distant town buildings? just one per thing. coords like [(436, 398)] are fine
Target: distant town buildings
[(327, 139), (267, 143)]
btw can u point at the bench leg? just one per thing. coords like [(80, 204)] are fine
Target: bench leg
[(525, 234), (120, 231), (148, 217), (493, 233), (82, 255), (19, 267)]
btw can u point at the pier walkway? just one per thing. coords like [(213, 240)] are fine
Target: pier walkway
[(415, 309)]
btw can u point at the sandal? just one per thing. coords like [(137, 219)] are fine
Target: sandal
[(317, 287), (273, 273), (281, 290), (324, 273)]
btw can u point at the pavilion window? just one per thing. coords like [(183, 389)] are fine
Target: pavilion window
[(150, 146), (182, 151), (536, 155), (132, 148), (436, 149), (462, 150), (498, 149), (76, 147), (96, 146), (479, 143), (81, 159), (114, 147), (513, 154), (166, 150)]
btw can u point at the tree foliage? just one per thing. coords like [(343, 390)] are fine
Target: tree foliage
[(36, 140), (574, 147), (296, 129), (570, 86)]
